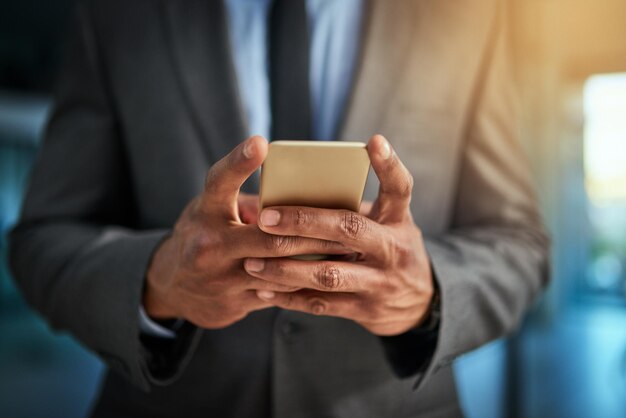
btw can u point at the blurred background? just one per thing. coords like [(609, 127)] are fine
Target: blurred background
[(568, 358)]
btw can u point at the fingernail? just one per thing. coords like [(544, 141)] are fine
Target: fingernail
[(270, 217), (248, 152), (254, 264), (386, 151), (265, 294)]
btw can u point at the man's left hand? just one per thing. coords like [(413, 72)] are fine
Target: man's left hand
[(387, 287)]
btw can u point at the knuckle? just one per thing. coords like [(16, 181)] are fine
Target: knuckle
[(196, 254), (211, 178), (276, 268), (279, 243), (411, 180), (317, 306), (353, 225), (290, 300), (373, 312), (387, 286), (426, 288), (403, 254), (301, 217), (394, 249), (329, 277), (400, 254), (406, 189)]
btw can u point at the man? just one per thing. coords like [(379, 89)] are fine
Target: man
[(188, 294)]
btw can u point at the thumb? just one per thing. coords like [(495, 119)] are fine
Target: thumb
[(224, 178), (396, 183)]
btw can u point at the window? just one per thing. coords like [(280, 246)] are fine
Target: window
[(605, 183)]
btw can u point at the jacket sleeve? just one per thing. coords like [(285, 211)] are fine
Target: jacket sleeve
[(493, 261), (75, 253)]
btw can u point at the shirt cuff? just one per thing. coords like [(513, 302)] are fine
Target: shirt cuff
[(410, 353), (149, 327)]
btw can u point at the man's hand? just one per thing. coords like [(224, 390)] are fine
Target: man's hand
[(197, 273), (387, 288)]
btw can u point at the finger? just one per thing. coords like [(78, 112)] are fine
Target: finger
[(252, 302), (325, 276), (366, 207), (396, 183), (249, 241), (344, 305), (349, 228), (246, 300), (248, 282), (248, 205), (225, 177)]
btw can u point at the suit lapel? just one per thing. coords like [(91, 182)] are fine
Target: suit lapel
[(198, 41), (384, 52)]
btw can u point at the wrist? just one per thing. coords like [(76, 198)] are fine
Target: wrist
[(155, 306), (155, 294), (430, 320)]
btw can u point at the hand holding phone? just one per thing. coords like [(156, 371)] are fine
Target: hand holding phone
[(388, 288)]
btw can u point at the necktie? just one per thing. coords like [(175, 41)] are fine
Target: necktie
[(289, 70)]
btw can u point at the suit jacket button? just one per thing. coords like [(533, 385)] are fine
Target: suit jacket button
[(289, 328)]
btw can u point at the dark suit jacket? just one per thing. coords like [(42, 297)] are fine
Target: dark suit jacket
[(148, 101)]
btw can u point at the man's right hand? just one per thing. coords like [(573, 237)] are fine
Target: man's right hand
[(197, 273)]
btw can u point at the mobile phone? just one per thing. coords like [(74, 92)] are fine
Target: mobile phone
[(323, 174)]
